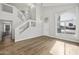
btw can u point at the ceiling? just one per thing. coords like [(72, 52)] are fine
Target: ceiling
[(21, 6), (56, 4), (25, 6), (43, 4)]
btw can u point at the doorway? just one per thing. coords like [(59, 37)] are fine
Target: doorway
[(7, 29), (6, 32)]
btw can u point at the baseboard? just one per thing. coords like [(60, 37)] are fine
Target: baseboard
[(64, 40), (59, 39), (27, 38)]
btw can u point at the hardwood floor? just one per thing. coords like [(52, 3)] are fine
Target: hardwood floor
[(39, 46)]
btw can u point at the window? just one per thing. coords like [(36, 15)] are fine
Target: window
[(66, 23)]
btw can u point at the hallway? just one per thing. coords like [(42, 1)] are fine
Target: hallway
[(6, 42), (7, 38)]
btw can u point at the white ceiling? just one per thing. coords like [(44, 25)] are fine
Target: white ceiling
[(24, 6), (43, 4), (56, 4), (21, 6)]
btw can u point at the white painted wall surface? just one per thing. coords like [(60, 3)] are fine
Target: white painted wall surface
[(52, 12), (41, 28), (13, 17), (45, 26), (1, 29), (31, 32)]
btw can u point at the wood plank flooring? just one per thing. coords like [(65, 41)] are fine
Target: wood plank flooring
[(39, 46)]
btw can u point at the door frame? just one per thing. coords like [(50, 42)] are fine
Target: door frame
[(11, 22)]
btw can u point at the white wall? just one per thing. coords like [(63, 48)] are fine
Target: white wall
[(45, 26), (12, 17), (52, 13), (1, 29), (49, 27), (42, 28), (31, 32), (8, 16)]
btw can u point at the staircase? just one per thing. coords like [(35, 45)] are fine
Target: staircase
[(21, 27)]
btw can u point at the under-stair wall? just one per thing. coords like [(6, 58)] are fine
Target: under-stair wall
[(30, 28)]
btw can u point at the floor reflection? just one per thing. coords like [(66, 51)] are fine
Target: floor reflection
[(64, 48)]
